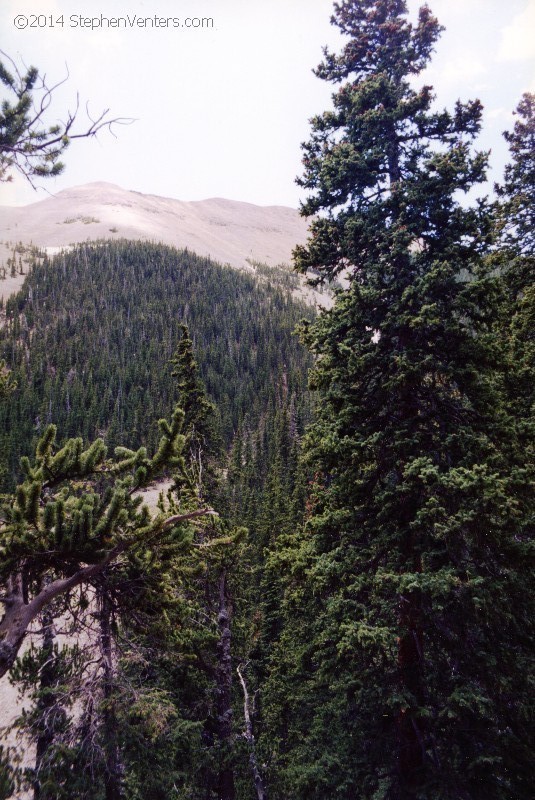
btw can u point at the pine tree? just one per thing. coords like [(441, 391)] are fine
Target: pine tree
[(45, 676), (515, 259), (403, 670), (518, 189), (212, 595), (202, 439), (27, 145), (75, 514), (77, 508), (192, 397), (193, 650)]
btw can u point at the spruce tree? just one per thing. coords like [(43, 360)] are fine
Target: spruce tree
[(202, 438), (403, 670), (515, 260), (518, 189), (6, 383), (192, 650)]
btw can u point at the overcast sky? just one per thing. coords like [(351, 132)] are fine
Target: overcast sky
[(221, 111)]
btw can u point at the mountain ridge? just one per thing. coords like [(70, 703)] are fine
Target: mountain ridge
[(228, 231)]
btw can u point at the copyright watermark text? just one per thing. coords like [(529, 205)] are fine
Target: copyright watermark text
[(103, 22)]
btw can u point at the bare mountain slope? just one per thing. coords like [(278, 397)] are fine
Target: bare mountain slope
[(226, 230)]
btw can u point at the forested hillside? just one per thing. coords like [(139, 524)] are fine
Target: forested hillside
[(90, 339), (98, 345)]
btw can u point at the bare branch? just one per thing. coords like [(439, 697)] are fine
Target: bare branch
[(28, 144)]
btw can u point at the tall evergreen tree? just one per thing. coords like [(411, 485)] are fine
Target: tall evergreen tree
[(193, 649), (403, 670), (202, 438)]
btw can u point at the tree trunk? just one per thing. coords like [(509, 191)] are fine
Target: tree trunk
[(113, 766), (260, 789), (46, 702), (410, 662), (14, 623), (225, 788)]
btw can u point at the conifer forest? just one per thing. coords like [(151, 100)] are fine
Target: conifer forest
[(332, 597)]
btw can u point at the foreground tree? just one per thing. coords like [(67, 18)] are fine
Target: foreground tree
[(75, 514), (403, 670), (173, 679)]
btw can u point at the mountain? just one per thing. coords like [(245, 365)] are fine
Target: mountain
[(225, 230), (117, 309)]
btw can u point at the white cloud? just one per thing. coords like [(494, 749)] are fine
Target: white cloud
[(518, 38), (462, 69), (497, 113)]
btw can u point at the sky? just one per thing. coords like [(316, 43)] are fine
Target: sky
[(221, 111)]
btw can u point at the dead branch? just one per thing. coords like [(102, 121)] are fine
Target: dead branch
[(31, 145), (261, 792)]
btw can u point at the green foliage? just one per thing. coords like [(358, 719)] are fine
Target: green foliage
[(7, 385), (169, 670), (46, 676), (515, 261), (202, 438), (7, 777), (376, 581), (518, 189), (75, 506), (117, 309), (26, 145), (169, 677), (402, 667)]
